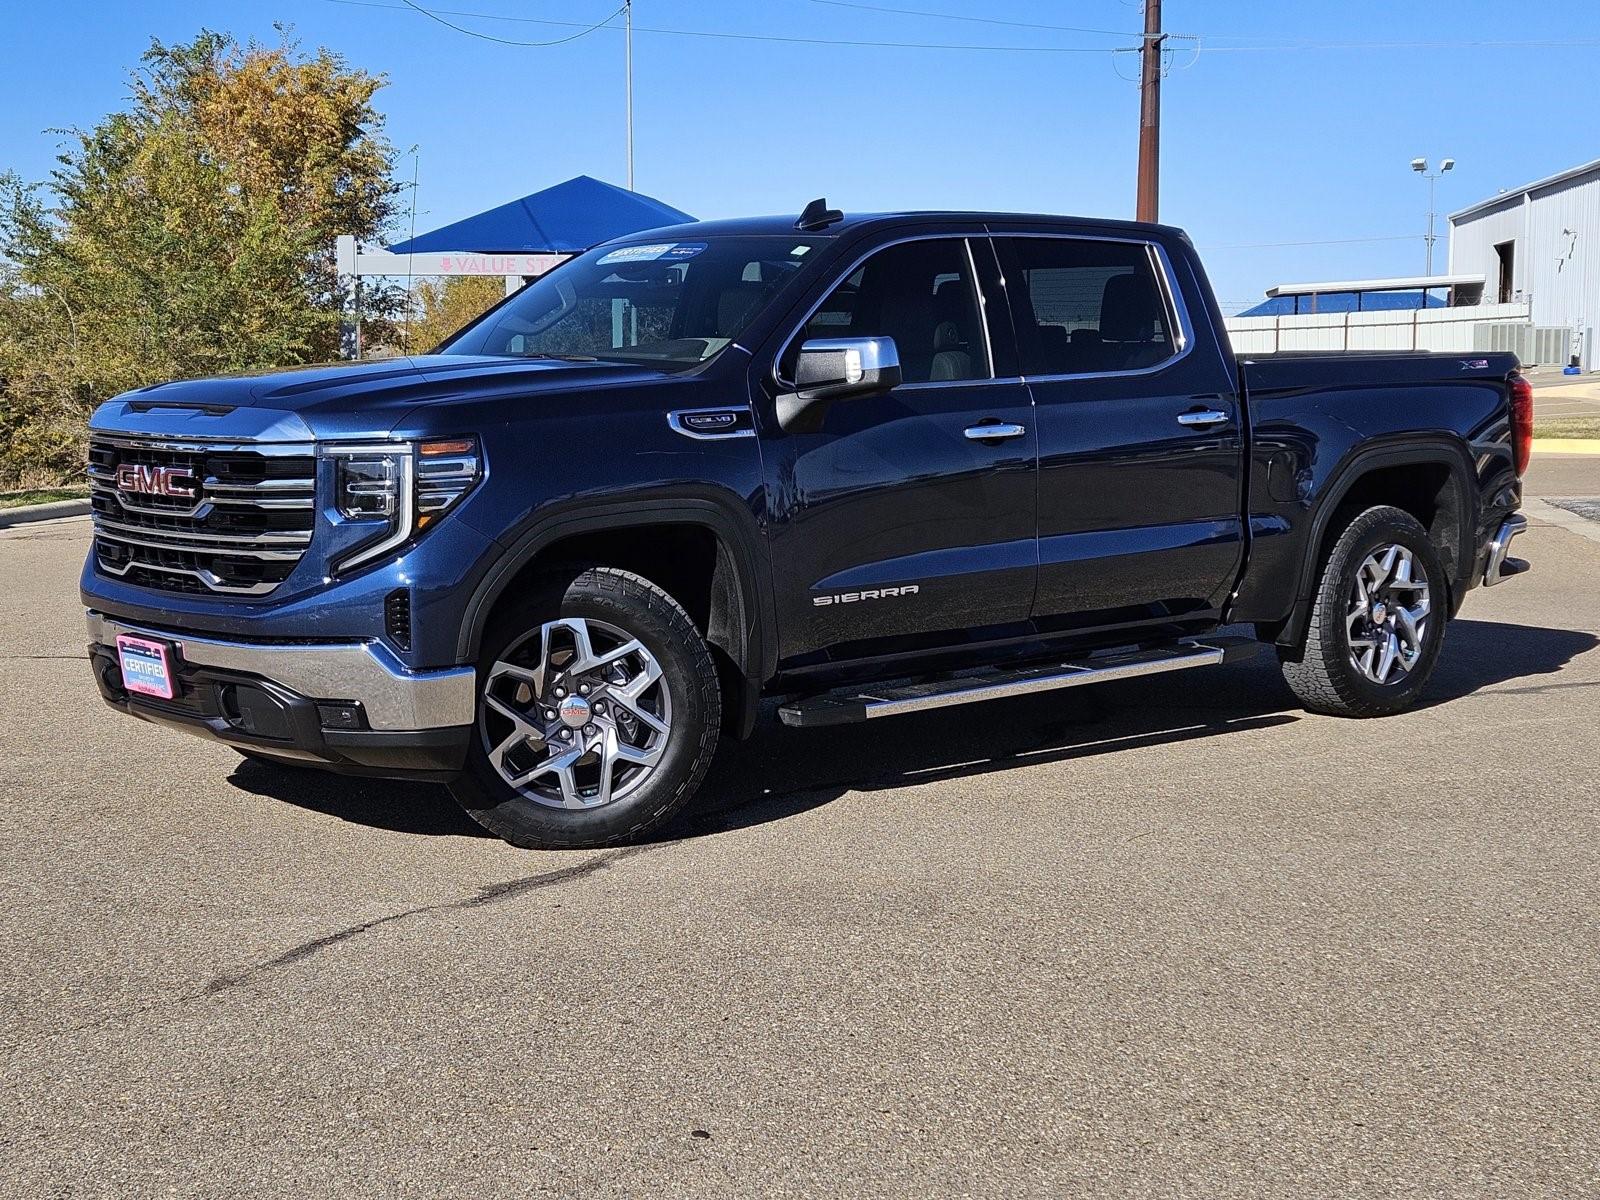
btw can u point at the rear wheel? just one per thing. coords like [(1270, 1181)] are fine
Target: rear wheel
[(598, 714), (1377, 622)]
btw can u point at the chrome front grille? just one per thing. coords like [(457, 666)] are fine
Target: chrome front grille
[(246, 524)]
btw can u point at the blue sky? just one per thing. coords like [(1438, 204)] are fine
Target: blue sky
[(1294, 124)]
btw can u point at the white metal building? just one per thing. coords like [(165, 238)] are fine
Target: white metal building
[(1540, 244)]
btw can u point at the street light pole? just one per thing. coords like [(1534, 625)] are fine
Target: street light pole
[(627, 20), (1433, 183), (1420, 166)]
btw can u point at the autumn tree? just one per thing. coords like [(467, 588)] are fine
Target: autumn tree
[(440, 307), (190, 234)]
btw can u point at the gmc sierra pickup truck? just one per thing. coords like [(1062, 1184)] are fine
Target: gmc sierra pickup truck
[(861, 466)]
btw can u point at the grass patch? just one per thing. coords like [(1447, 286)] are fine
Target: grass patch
[(43, 495), (1567, 427)]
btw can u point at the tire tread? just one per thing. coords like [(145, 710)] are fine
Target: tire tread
[(1320, 678), (625, 590)]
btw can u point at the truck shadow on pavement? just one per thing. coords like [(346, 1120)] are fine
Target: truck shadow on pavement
[(781, 772)]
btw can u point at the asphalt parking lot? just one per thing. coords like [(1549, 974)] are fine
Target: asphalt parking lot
[(1170, 937)]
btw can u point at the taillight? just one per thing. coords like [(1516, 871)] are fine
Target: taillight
[(1521, 421)]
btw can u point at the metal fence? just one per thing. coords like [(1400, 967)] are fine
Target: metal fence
[(1447, 329)]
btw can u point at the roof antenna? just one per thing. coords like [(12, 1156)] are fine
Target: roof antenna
[(818, 216)]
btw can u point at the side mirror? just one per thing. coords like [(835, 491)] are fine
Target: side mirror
[(830, 369)]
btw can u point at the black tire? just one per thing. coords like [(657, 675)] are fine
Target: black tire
[(1324, 676), (638, 607)]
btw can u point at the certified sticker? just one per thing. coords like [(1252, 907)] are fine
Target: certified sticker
[(146, 666), (655, 252)]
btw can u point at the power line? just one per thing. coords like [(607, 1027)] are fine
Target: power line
[(439, 14), (922, 12), (489, 37), (1267, 42), (1459, 45), (1209, 47)]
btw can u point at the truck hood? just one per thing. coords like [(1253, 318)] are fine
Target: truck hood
[(333, 400)]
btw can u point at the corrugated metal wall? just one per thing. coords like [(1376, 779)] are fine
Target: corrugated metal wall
[(1556, 232), (1534, 345)]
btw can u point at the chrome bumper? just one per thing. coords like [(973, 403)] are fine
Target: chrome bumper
[(1500, 547), (393, 697)]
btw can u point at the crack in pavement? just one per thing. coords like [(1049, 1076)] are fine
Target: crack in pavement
[(488, 894)]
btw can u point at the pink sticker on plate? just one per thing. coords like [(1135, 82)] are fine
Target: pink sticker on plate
[(146, 666)]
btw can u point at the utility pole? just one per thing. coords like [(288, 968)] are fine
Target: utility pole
[(1148, 203), (627, 19)]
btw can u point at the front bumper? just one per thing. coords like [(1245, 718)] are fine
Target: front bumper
[(349, 706)]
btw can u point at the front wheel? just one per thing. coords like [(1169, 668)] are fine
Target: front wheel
[(598, 714), (1377, 622)]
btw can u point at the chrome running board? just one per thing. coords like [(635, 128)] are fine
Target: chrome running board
[(848, 705)]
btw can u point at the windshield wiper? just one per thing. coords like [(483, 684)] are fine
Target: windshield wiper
[(559, 357)]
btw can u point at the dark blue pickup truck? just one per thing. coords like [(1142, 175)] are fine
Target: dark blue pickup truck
[(864, 465)]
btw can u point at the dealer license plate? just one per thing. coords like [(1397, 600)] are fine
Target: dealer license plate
[(146, 666)]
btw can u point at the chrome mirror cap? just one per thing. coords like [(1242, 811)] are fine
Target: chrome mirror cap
[(830, 369), (850, 362)]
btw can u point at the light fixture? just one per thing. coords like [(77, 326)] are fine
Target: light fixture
[(399, 489)]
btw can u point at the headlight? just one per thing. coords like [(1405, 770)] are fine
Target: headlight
[(369, 484), (400, 488)]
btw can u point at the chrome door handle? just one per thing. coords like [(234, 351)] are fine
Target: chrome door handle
[(998, 431), (1208, 416)]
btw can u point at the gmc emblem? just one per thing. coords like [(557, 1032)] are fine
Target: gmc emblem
[(155, 481)]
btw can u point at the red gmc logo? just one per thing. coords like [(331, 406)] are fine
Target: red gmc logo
[(155, 481)]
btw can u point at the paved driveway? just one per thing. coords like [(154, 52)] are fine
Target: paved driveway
[(1170, 937), (1556, 395)]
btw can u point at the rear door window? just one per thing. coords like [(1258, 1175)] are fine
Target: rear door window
[(1086, 307)]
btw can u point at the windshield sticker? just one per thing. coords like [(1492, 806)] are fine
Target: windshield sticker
[(656, 252), (798, 251)]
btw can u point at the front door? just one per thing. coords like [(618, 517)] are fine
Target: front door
[(908, 519), (1141, 455)]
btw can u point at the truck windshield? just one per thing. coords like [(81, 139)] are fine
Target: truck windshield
[(669, 302)]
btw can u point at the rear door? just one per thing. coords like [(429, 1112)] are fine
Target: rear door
[(1141, 453), (900, 523)]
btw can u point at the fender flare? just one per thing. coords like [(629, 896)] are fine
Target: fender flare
[(1405, 450), (755, 654)]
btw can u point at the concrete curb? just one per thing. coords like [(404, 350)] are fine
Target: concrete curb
[(1566, 445), (43, 512), (1543, 510)]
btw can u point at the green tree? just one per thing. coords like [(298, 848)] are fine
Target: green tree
[(188, 235)]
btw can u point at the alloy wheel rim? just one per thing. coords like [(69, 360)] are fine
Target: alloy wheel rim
[(1387, 619), (575, 715)]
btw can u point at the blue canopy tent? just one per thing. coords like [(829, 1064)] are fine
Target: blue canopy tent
[(565, 219), (519, 241)]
